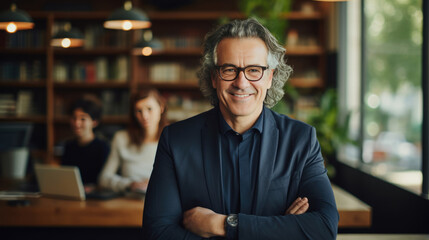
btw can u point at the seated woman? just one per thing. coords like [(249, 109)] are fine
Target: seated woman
[(133, 150), (85, 150)]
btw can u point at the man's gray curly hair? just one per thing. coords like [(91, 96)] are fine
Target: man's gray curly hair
[(249, 28)]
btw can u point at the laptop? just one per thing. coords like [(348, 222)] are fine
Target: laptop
[(60, 181), (66, 182)]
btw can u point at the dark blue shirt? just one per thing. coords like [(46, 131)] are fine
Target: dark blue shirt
[(240, 163)]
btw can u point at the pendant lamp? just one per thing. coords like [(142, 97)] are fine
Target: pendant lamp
[(67, 37), (127, 18), (14, 20), (147, 45)]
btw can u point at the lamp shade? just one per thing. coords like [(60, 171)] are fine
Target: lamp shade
[(127, 18), (13, 20), (67, 38), (146, 48)]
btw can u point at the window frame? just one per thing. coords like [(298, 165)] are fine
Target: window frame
[(349, 36)]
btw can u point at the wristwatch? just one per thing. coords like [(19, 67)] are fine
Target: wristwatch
[(231, 221)]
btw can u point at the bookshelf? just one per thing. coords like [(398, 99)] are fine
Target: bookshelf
[(48, 79)]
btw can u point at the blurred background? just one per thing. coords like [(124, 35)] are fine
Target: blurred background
[(360, 77)]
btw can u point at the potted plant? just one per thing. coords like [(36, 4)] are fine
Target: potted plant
[(268, 12), (331, 133)]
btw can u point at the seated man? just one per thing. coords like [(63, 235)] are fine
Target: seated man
[(240, 170)]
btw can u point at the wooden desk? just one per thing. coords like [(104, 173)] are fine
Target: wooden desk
[(382, 236), (50, 212), (128, 212), (353, 212)]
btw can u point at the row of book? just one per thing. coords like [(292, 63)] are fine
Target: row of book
[(23, 71), (172, 72), (179, 42), (184, 106), (113, 102), (96, 36), (34, 38), (100, 70), (21, 103)]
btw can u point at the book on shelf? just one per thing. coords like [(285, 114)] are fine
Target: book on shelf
[(22, 71), (114, 103), (7, 104), (172, 72), (96, 36), (180, 42), (101, 66), (164, 72), (24, 103), (183, 106), (99, 70), (120, 73), (34, 38), (20, 103), (90, 72)]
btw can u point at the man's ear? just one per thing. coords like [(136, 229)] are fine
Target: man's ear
[(213, 77), (270, 77)]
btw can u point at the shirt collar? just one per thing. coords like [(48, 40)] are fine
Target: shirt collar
[(224, 127)]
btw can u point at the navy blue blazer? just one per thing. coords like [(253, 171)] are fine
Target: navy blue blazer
[(186, 174)]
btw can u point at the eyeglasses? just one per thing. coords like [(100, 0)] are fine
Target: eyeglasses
[(230, 72)]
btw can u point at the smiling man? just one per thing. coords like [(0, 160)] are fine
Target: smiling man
[(240, 170)]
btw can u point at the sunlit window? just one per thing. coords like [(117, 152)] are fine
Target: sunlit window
[(386, 118)]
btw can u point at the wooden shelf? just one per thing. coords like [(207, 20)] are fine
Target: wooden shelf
[(73, 15), (94, 51), (172, 86), (19, 84), (84, 85), (304, 50), (304, 16), (104, 119), (215, 15), (33, 119), (187, 24), (173, 52), (301, 82), (168, 15), (24, 51)]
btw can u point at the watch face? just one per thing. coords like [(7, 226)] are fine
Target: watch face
[(232, 220)]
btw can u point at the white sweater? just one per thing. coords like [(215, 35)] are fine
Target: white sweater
[(134, 163)]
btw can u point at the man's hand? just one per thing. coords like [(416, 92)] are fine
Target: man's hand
[(204, 222), (299, 206)]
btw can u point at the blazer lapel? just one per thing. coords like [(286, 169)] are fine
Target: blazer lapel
[(211, 161), (269, 144)]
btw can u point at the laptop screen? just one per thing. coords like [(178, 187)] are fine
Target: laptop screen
[(60, 181)]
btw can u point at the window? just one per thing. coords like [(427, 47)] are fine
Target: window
[(382, 87)]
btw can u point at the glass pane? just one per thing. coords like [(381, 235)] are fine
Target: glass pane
[(392, 90)]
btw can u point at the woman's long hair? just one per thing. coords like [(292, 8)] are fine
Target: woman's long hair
[(135, 130)]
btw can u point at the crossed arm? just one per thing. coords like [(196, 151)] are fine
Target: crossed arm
[(206, 223), (164, 217)]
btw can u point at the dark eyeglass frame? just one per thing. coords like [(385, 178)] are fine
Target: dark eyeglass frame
[(239, 69)]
